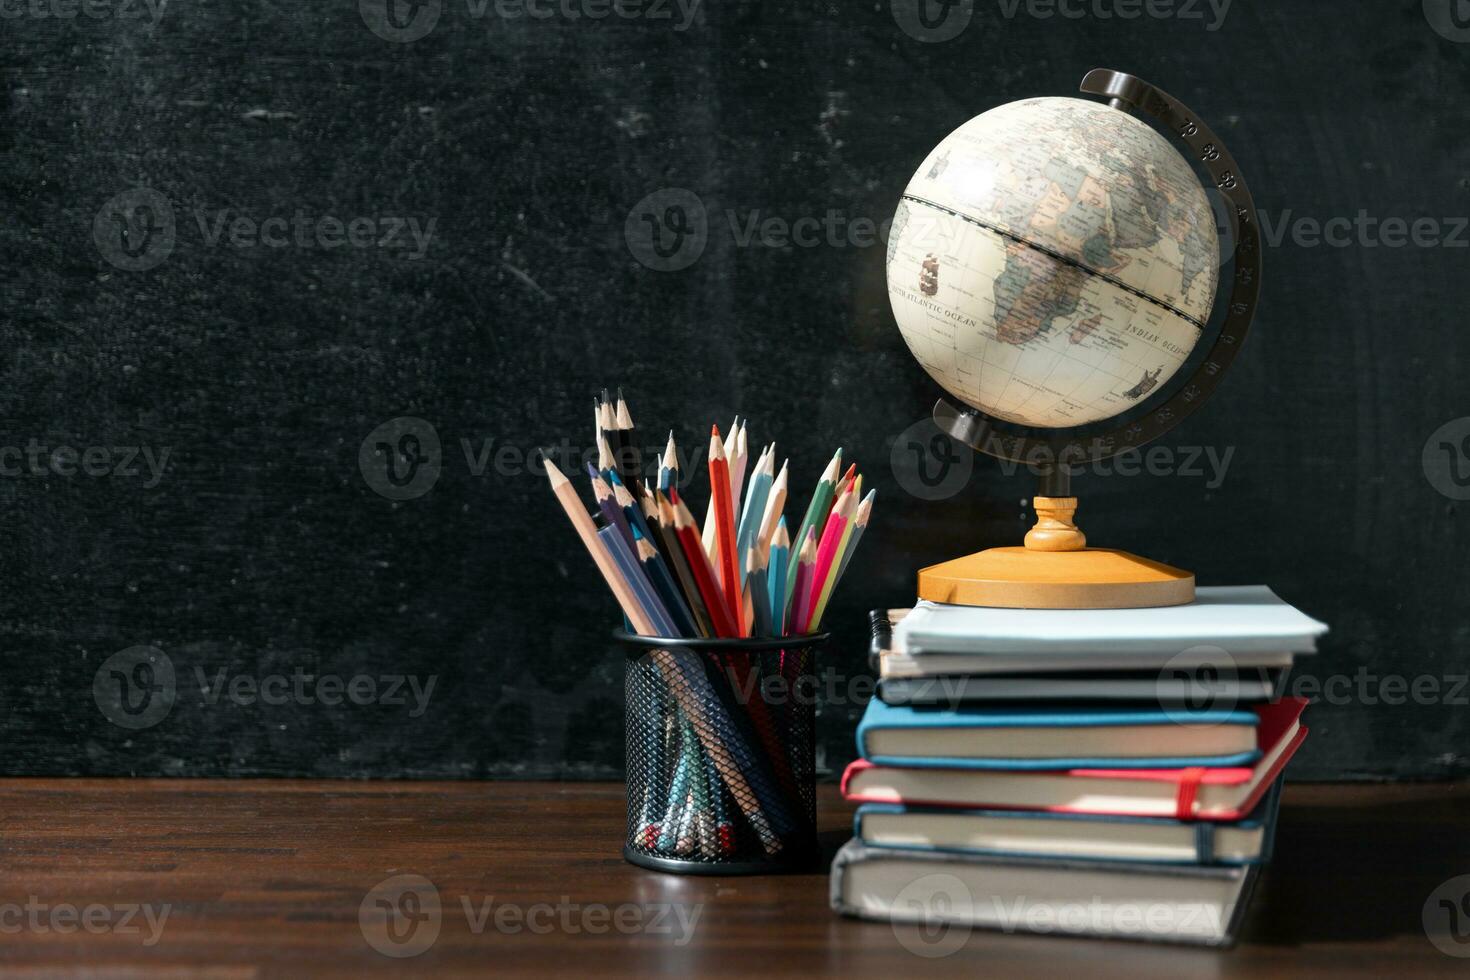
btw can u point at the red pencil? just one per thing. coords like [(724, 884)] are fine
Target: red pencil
[(704, 579), (844, 483), (719, 488)]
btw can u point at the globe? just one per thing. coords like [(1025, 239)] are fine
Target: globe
[(1052, 262)]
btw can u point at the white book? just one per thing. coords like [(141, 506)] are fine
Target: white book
[(1245, 621), (896, 664), (1159, 903)]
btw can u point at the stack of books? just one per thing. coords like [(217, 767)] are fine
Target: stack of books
[(1091, 772)]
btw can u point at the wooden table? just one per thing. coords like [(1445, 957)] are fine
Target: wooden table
[(267, 878)]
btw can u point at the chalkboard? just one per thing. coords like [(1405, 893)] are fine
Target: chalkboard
[(245, 243)]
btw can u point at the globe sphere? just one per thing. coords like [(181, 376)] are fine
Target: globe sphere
[(1052, 262)]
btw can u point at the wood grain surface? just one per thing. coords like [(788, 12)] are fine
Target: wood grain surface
[(267, 878)]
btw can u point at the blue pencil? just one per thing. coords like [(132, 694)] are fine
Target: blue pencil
[(622, 555), (668, 470), (776, 576), (663, 583), (755, 504), (760, 596)]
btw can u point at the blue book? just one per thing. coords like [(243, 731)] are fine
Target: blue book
[(1072, 836), (990, 737)]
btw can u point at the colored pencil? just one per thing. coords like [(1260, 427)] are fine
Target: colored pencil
[(839, 527), (663, 583), (860, 524), (668, 470), (629, 455), (720, 492), (643, 589), (738, 451), (608, 504), (710, 524), (699, 566), (587, 531), (775, 508), (606, 461), (760, 596), (755, 504), (679, 790), (680, 563), (631, 512), (816, 515), (596, 419), (806, 557), (724, 830), (776, 576), (845, 482)]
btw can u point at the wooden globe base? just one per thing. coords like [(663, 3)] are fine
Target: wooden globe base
[(1056, 570)]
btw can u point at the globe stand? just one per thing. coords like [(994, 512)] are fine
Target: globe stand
[(1055, 569)]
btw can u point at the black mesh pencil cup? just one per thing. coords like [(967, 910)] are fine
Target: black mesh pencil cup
[(721, 748)]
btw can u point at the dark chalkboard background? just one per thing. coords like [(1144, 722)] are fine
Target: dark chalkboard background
[(261, 546)]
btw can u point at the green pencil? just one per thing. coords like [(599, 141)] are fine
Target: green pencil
[(816, 513)]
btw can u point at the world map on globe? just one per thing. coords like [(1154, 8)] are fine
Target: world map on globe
[(1052, 262)]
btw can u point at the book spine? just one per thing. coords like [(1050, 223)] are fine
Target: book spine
[(1204, 843)]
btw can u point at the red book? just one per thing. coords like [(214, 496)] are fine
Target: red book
[(1196, 793)]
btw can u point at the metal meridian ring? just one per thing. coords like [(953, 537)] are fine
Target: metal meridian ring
[(978, 430)]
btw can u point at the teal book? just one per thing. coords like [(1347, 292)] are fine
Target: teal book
[(990, 737)]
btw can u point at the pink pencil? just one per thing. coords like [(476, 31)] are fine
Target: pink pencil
[(827, 553), (805, 560)]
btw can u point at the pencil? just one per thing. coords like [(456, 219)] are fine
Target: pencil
[(739, 456), (617, 437), (625, 500), (816, 516), (775, 506), (643, 590), (606, 461), (668, 471), (724, 830), (846, 480), (838, 532), (663, 583), (710, 524), (776, 576), (720, 493), (860, 524), (699, 567), (668, 839), (755, 503), (747, 611), (587, 531), (663, 524), (802, 578), (607, 424), (596, 419), (608, 504), (704, 829), (760, 596)]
